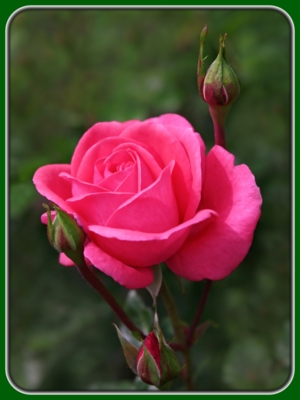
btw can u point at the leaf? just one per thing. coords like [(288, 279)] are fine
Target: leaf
[(154, 287), (141, 315)]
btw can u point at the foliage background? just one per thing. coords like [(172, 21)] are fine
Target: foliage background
[(72, 68)]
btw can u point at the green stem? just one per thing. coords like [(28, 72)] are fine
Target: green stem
[(96, 284), (177, 326), (172, 311)]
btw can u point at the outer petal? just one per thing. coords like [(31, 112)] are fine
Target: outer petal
[(49, 184), (231, 191), (172, 119), (96, 133), (64, 260), (142, 249), (132, 278), (44, 217), (215, 252)]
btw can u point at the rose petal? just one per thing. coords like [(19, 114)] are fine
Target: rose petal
[(113, 181), (149, 160), (216, 251), (130, 183), (231, 191), (195, 149), (44, 217), (102, 149), (96, 208), (131, 278), (152, 210), (49, 184), (169, 148), (171, 119), (213, 254), (64, 260), (95, 134), (143, 249), (80, 188)]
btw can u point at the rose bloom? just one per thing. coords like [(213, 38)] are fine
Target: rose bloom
[(146, 193)]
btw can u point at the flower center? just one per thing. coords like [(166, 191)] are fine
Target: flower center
[(124, 165)]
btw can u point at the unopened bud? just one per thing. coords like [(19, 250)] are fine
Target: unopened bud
[(64, 234), (157, 363), (219, 86)]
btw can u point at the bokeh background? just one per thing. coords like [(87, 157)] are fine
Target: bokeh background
[(71, 68)]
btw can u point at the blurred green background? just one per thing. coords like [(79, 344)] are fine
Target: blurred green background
[(72, 68)]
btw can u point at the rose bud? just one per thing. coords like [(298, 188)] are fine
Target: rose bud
[(219, 86), (157, 363), (64, 234)]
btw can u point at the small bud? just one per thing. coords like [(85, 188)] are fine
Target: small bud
[(219, 86), (65, 235), (157, 363)]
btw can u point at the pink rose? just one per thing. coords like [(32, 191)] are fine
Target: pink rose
[(146, 192)]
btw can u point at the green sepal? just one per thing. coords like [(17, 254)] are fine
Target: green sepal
[(221, 86), (154, 287), (200, 66), (170, 367), (149, 372), (65, 235), (129, 350)]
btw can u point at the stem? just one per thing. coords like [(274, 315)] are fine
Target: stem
[(191, 332), (172, 311), (219, 134), (218, 115), (96, 284), (177, 326)]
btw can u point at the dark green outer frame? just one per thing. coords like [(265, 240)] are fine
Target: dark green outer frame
[(290, 11)]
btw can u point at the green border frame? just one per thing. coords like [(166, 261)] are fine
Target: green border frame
[(6, 11)]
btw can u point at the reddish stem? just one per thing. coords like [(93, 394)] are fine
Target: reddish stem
[(96, 284), (191, 332), (218, 115), (177, 347), (219, 134)]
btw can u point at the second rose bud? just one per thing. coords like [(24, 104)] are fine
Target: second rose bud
[(155, 362)]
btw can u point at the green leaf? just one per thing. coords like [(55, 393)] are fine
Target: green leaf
[(141, 315)]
